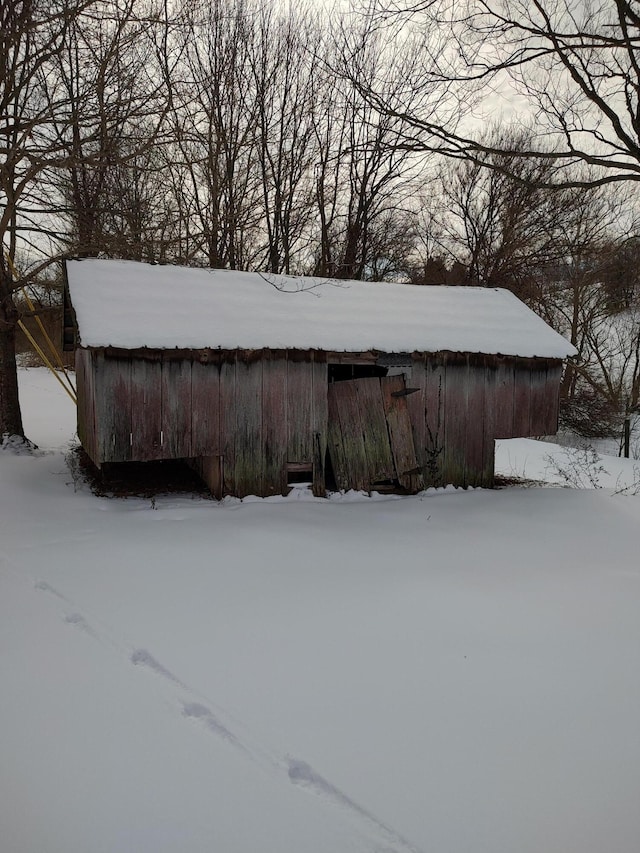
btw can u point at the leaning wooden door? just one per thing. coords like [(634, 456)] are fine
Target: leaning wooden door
[(370, 441)]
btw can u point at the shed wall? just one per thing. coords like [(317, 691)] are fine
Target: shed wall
[(257, 416), (464, 402)]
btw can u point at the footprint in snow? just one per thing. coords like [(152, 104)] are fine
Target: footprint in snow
[(78, 621)]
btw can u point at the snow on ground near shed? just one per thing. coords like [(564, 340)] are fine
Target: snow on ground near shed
[(451, 672), (129, 304)]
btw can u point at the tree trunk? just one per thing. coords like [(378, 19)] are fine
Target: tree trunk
[(10, 416)]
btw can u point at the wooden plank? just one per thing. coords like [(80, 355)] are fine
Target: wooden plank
[(489, 423), (455, 424), (335, 443), (274, 425), (400, 433), (146, 410), (205, 411), (537, 423), (377, 446), (432, 452), (227, 380), (113, 409), (416, 407), (86, 418), (299, 411), (522, 401), (319, 421), (552, 398), (248, 449), (503, 394), (352, 432), (475, 453), (176, 409)]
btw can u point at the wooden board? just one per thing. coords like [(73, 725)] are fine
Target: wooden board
[(205, 415), (344, 406), (299, 411), (522, 401), (114, 404), (248, 445), (86, 404), (274, 424), (552, 399), (400, 432), (228, 423), (377, 446), (475, 460), (537, 424), (335, 444), (456, 422), (503, 394), (146, 410), (177, 407), (435, 378), (416, 407), (319, 421)]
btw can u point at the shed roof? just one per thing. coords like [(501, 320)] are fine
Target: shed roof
[(132, 305)]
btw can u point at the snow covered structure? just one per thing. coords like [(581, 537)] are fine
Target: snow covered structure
[(259, 380)]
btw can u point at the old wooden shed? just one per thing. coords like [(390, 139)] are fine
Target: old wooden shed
[(260, 380)]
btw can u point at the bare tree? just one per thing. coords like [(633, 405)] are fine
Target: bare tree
[(113, 74), (32, 34), (366, 179), (574, 65), (499, 222)]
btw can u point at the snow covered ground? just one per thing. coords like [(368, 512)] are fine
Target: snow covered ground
[(456, 671)]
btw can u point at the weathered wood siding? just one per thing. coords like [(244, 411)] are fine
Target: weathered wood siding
[(464, 402), (257, 417), (254, 414)]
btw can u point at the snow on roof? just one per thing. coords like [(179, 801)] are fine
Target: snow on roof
[(131, 305)]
